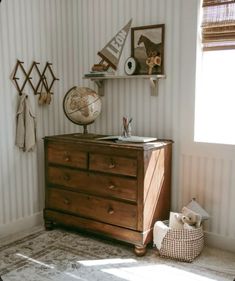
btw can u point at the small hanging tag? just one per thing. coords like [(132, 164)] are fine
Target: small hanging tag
[(42, 98), (48, 99)]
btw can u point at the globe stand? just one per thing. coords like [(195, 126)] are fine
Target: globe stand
[(85, 131)]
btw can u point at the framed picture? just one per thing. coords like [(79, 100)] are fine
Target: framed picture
[(147, 47)]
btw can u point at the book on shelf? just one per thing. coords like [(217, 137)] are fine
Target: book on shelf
[(99, 74)]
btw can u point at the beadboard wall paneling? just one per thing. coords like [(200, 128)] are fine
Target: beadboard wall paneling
[(41, 31), (69, 34), (211, 181)]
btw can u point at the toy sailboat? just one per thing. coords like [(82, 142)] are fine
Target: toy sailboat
[(111, 53)]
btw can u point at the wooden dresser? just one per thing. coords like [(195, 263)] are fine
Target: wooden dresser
[(115, 189)]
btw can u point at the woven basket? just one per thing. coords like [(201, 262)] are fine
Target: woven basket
[(182, 244)]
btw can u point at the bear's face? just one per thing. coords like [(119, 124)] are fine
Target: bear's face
[(191, 217)]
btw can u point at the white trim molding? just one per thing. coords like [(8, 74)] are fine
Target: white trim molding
[(21, 224), (220, 241)]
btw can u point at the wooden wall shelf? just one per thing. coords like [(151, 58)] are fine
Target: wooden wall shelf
[(153, 81)]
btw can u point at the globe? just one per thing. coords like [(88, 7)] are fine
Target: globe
[(82, 106)]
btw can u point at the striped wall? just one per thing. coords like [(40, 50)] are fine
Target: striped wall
[(211, 180), (69, 33)]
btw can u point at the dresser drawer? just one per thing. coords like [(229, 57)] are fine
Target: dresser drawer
[(113, 186), (104, 210), (67, 154), (113, 164), (98, 184), (67, 177)]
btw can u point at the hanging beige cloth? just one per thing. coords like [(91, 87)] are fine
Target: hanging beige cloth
[(25, 125)]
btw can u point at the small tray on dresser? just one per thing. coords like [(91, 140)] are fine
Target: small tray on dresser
[(137, 139)]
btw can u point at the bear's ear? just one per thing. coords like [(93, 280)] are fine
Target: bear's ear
[(185, 211)]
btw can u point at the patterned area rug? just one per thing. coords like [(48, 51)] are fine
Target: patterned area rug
[(62, 255)]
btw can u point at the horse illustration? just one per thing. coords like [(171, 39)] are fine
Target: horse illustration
[(152, 49)]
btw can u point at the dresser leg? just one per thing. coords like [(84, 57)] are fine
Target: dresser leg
[(140, 250), (48, 225)]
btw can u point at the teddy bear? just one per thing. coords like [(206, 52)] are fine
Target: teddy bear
[(187, 219)]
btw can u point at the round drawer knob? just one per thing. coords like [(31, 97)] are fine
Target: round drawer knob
[(66, 177), (66, 156), (112, 187), (110, 210), (66, 201), (111, 164)]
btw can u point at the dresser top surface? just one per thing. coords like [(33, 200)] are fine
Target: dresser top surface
[(94, 139)]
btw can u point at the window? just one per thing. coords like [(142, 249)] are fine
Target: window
[(215, 97)]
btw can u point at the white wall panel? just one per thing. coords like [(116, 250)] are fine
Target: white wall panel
[(211, 181), (69, 33)]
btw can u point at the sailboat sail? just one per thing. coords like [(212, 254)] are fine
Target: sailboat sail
[(111, 53)]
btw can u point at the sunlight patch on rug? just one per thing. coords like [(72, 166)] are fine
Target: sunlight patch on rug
[(35, 261), (155, 272), (105, 262)]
